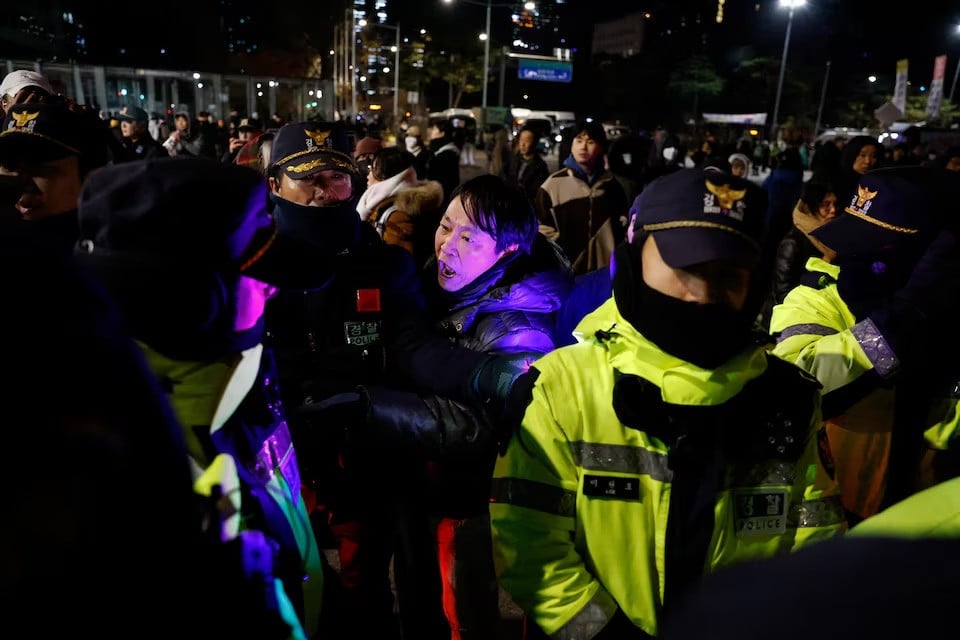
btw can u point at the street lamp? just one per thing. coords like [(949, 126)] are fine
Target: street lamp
[(790, 5), (529, 6), (957, 72), (396, 67)]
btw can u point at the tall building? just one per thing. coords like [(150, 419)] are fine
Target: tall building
[(53, 33), (540, 27), (377, 52), (621, 37)]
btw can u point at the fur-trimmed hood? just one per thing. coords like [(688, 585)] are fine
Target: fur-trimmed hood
[(425, 197)]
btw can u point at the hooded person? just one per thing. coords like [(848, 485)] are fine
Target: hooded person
[(739, 165), (190, 253)]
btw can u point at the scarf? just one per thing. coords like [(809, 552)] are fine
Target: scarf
[(806, 223)]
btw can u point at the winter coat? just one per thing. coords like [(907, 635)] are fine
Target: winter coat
[(409, 217), (456, 443)]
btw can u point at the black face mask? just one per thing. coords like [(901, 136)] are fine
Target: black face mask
[(332, 229), (706, 335)]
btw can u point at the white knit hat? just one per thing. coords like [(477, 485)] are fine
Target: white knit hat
[(16, 81)]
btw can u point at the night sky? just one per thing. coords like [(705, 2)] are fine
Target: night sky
[(857, 37), (854, 32), (858, 31)]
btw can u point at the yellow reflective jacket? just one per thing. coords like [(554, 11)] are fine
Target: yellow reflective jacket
[(931, 513), (818, 332), (207, 398), (580, 501)]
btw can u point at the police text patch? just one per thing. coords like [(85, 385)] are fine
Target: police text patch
[(611, 487), (362, 333), (761, 511)]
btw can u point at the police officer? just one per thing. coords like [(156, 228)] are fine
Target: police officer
[(137, 141), (870, 325), (365, 325), (668, 442), (47, 151)]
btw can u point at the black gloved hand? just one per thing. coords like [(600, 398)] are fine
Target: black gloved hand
[(493, 379), (425, 425)]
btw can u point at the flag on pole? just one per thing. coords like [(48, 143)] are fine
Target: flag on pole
[(900, 90), (935, 97)]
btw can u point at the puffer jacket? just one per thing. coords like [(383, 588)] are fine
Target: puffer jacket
[(455, 441)]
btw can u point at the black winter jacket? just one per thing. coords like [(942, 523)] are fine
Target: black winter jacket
[(456, 442), (789, 267)]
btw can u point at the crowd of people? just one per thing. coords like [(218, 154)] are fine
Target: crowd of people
[(309, 384)]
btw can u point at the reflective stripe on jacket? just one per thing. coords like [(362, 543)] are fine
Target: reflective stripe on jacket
[(580, 500), (817, 331)]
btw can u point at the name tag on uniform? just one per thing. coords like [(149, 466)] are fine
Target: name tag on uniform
[(611, 487), (362, 333), (761, 511)]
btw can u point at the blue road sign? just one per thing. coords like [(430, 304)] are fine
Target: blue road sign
[(547, 70)]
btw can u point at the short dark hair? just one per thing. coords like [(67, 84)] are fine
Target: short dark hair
[(500, 210), (594, 130), (813, 192), (443, 126), (390, 161)]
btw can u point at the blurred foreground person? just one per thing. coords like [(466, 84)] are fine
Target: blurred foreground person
[(669, 442), (109, 531), (892, 576), (187, 248)]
